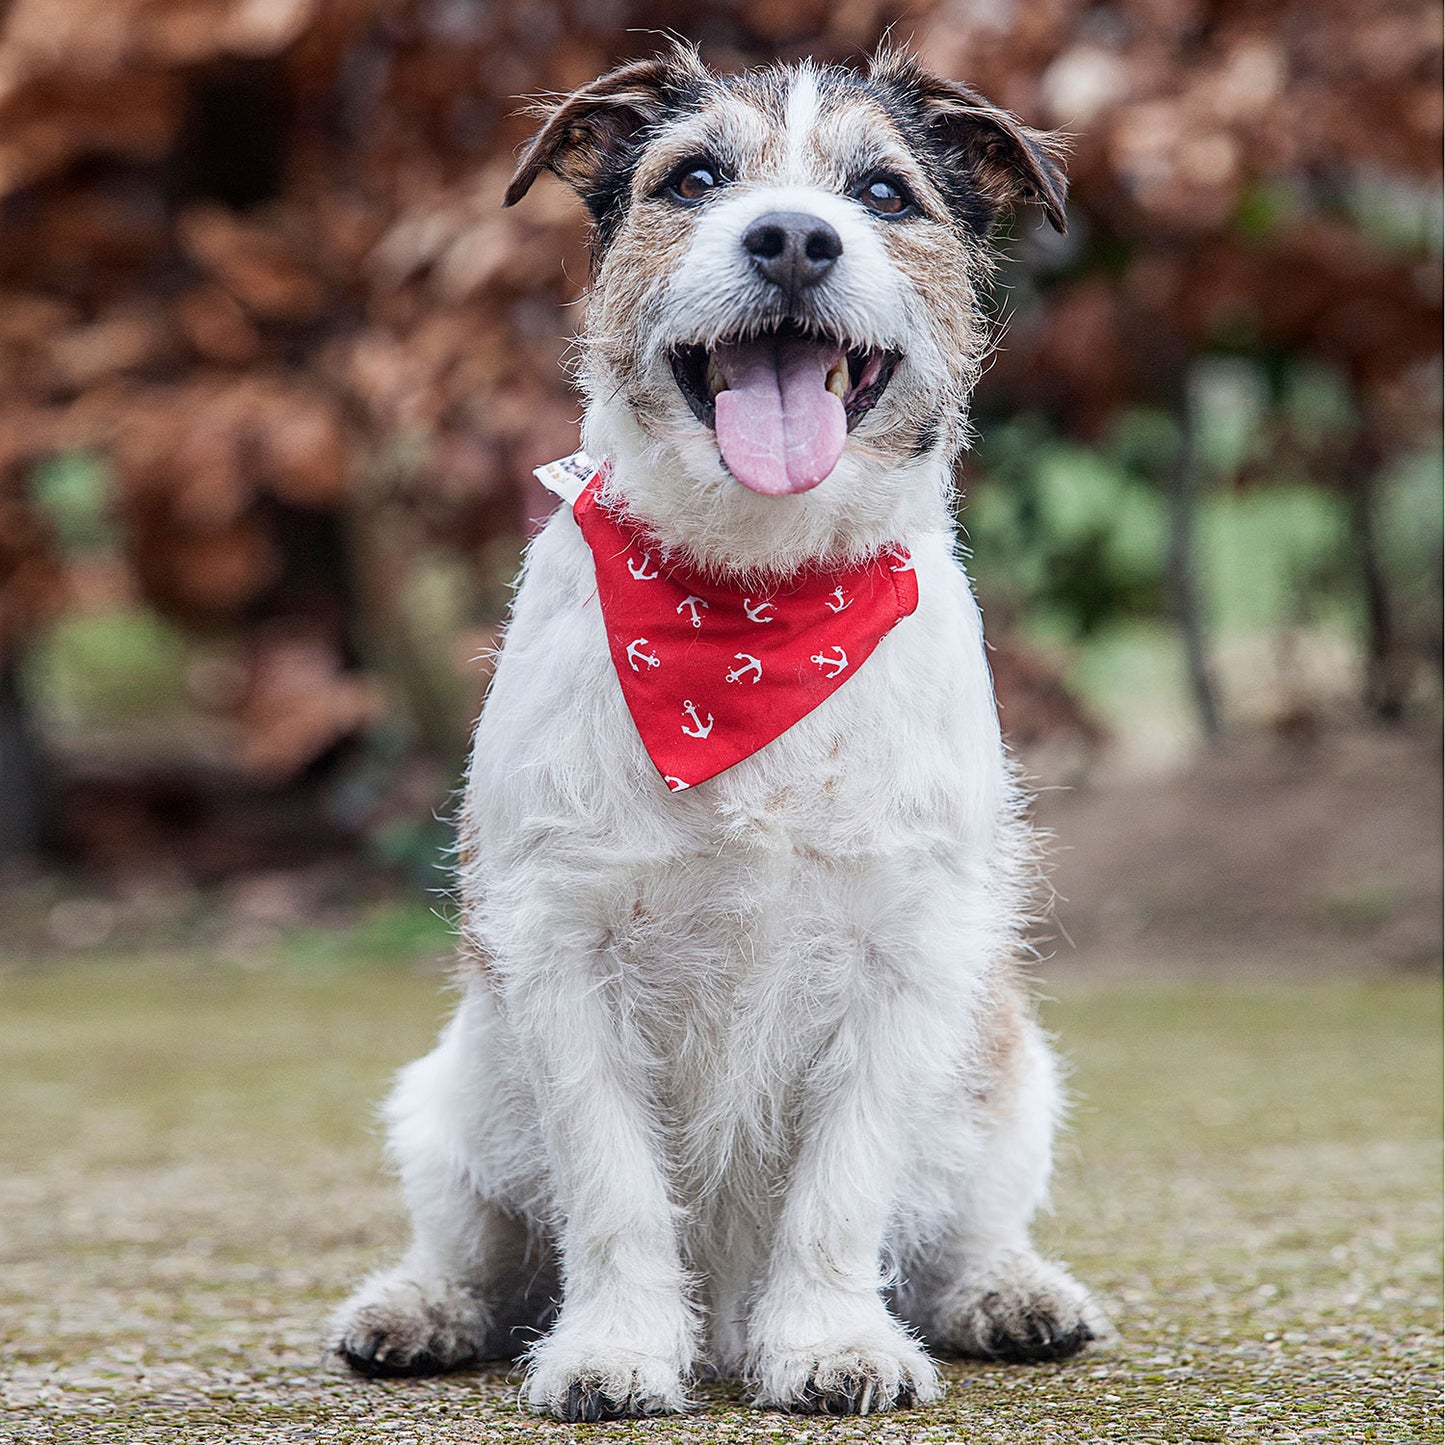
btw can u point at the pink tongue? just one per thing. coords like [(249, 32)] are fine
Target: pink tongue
[(779, 428)]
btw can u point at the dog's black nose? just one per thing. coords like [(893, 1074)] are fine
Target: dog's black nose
[(791, 249)]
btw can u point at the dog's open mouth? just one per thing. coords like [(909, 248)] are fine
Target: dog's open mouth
[(782, 402)]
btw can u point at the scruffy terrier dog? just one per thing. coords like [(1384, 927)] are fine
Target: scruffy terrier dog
[(744, 1078)]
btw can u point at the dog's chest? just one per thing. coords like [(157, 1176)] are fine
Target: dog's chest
[(736, 922), (896, 777)]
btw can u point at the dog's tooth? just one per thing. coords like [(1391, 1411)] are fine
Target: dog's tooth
[(837, 381), (716, 381)]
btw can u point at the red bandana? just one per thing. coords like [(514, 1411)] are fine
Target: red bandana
[(711, 674)]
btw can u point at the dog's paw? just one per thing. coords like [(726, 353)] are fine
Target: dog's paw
[(884, 1369), (396, 1326), (579, 1384), (1021, 1310)]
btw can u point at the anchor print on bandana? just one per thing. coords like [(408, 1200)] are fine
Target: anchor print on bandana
[(712, 673), (636, 656)]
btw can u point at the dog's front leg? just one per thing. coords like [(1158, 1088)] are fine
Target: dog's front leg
[(821, 1338), (625, 1339)]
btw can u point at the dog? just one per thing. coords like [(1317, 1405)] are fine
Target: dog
[(744, 1078)]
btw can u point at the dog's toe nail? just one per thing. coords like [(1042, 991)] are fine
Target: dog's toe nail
[(586, 1404), (366, 1355), (361, 1358)]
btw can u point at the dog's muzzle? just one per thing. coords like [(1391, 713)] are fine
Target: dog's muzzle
[(782, 397)]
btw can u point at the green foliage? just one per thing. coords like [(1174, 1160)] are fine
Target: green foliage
[(123, 667), (1074, 538), (1271, 207), (1410, 519), (418, 849), (393, 934), (1231, 407), (1131, 676), (1274, 557), (1396, 213), (71, 489), (1074, 533), (1316, 404)]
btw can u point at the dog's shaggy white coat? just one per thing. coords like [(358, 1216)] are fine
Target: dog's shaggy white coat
[(742, 1078)]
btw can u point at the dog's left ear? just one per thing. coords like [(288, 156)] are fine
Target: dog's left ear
[(589, 134), (1004, 160)]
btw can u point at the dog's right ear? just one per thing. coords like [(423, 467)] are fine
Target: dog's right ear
[(590, 135)]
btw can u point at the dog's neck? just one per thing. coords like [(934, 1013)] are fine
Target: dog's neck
[(679, 491)]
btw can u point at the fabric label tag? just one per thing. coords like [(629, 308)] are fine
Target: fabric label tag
[(567, 476)]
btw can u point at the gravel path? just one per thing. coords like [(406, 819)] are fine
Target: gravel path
[(189, 1180)]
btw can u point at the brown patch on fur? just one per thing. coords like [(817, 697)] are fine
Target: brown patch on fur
[(650, 247), (738, 126), (1005, 1018), (854, 136), (472, 959), (584, 133), (737, 136)]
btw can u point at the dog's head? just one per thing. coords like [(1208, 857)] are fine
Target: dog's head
[(784, 326)]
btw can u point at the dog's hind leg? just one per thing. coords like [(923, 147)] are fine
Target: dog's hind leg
[(982, 1290), (475, 1286), (479, 1282)]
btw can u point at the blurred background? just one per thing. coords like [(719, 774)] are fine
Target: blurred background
[(275, 367)]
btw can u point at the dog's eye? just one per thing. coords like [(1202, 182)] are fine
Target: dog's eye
[(885, 195), (693, 181)]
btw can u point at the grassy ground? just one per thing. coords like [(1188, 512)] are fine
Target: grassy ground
[(189, 1180)]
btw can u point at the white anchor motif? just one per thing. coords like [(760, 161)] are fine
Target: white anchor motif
[(836, 663), (676, 784), (902, 562), (639, 569), (839, 605), (755, 610), (699, 729), (692, 604), (750, 664), (635, 654)]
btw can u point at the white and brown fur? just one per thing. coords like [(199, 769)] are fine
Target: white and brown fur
[(745, 1079)]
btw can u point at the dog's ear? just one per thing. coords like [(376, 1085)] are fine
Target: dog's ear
[(588, 136), (1002, 160)]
